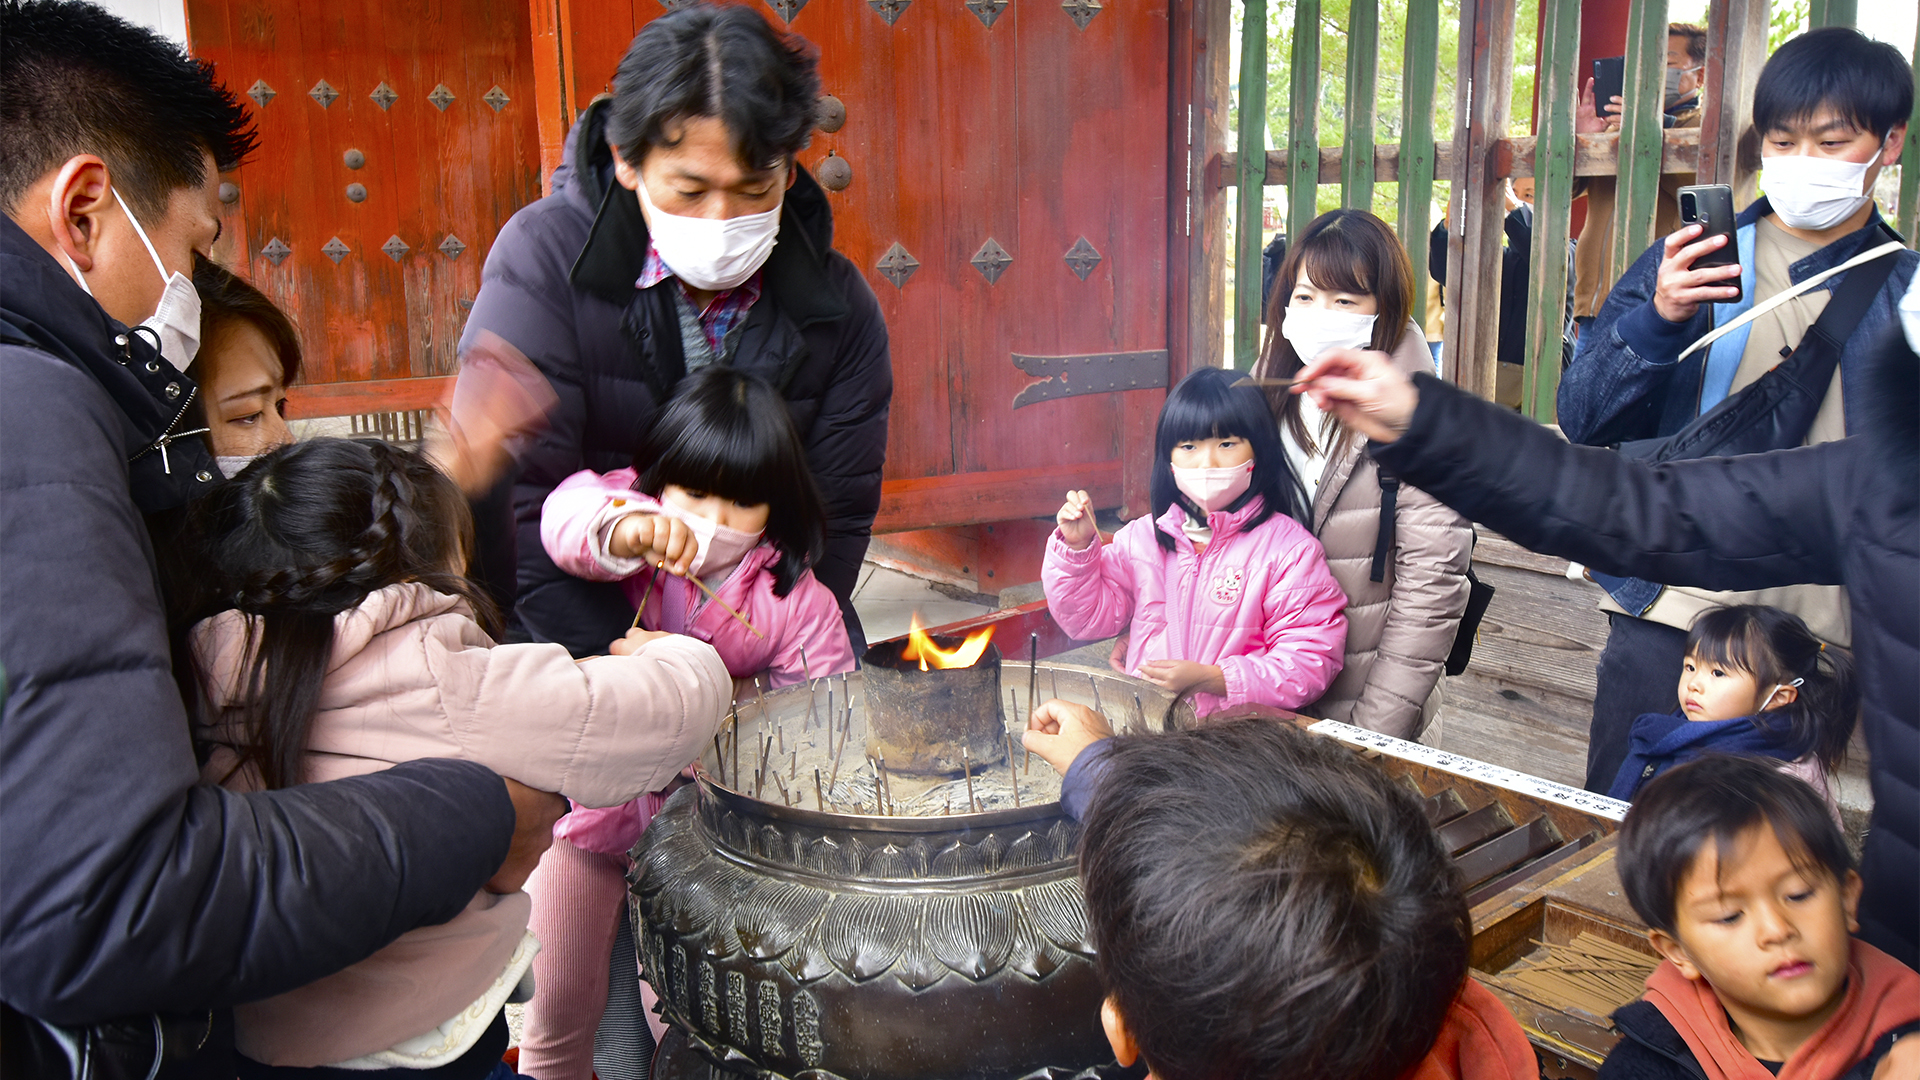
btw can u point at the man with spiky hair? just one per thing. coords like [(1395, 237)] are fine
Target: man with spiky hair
[(128, 888)]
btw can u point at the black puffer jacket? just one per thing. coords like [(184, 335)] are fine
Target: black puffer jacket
[(1841, 513), (125, 885), (559, 286)]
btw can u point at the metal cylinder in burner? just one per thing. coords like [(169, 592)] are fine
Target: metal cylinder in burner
[(918, 721)]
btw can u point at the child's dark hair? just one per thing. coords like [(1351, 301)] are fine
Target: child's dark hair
[(1213, 403), (1258, 896), (1865, 82), (1713, 799), (1348, 251), (1777, 649), (728, 434), (299, 536)]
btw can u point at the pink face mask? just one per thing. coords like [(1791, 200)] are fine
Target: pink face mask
[(1214, 489), (720, 548)]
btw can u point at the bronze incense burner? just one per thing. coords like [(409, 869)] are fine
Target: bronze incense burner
[(806, 913)]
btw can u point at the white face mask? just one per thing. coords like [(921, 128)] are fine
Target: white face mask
[(711, 255), (231, 464), (720, 548), (1814, 192), (175, 323), (1214, 489), (1313, 330)]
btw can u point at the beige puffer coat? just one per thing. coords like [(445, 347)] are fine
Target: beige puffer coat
[(1399, 629)]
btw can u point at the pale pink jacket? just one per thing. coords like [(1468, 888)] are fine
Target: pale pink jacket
[(414, 676), (1260, 604), (575, 524)]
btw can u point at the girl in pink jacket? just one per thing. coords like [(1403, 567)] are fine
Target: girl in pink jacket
[(1223, 594), (340, 638), (726, 499)]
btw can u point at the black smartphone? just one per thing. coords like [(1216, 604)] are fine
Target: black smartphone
[(1609, 82), (1711, 206)]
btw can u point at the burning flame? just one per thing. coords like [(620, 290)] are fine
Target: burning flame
[(921, 647)]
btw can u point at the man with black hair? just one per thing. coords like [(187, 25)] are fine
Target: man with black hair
[(128, 887), (681, 232), (1818, 278)]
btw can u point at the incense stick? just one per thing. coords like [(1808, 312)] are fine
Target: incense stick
[(1249, 380), (1094, 681), (702, 586), (1011, 774), (1033, 673), (966, 768)]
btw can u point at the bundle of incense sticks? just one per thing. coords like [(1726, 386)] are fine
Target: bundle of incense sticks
[(1589, 973)]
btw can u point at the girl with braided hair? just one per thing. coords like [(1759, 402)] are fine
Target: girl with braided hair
[(340, 637), (725, 497)]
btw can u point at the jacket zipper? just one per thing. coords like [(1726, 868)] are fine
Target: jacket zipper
[(168, 434)]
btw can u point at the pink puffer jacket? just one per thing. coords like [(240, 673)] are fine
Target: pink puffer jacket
[(575, 524), (412, 676), (1260, 604)]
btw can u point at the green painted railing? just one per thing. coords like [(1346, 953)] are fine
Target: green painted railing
[(1552, 205), (1253, 170), (1835, 12), (1419, 68)]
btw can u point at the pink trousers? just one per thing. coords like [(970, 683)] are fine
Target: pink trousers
[(578, 897)]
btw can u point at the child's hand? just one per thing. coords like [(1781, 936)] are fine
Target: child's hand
[(1076, 520), (635, 638), (1059, 730), (656, 538), (1179, 675), (1902, 1062)]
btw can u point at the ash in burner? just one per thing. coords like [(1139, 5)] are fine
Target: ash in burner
[(806, 746)]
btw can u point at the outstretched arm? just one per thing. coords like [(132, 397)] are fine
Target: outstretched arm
[(1749, 522)]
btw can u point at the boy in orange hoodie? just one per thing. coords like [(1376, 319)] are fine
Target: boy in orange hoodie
[(1750, 893), (1267, 905)]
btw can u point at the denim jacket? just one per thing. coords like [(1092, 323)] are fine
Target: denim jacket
[(1624, 382)]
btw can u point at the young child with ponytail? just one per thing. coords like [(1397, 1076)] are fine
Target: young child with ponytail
[(1757, 682), (331, 633)]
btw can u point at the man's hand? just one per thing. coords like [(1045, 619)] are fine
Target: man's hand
[(500, 397), (1181, 675), (534, 813), (1076, 520), (1680, 289), (657, 538), (1586, 120), (635, 638), (1059, 730), (1363, 389)]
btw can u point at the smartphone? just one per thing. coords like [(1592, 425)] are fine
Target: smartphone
[(1711, 206), (1609, 82)]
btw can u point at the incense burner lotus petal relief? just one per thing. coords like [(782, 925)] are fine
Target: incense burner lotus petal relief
[(787, 943)]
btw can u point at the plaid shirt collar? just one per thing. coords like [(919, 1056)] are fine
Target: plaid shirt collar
[(727, 309)]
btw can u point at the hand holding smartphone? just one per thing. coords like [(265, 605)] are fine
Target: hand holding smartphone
[(1711, 207), (1609, 82)]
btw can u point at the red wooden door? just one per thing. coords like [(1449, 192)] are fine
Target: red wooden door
[(1036, 125), (396, 138)]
